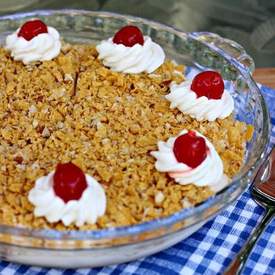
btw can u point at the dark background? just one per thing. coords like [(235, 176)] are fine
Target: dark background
[(249, 22)]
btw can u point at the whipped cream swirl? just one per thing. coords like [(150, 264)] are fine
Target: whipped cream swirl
[(136, 59), (201, 108), (209, 172), (44, 46), (87, 209)]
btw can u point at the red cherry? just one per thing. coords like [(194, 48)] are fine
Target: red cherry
[(190, 149), (32, 28), (129, 36), (69, 182), (209, 84)]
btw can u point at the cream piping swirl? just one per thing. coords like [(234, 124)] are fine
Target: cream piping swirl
[(209, 172), (44, 46), (87, 209), (136, 59), (201, 108)]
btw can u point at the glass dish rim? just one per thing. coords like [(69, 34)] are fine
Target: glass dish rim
[(159, 222)]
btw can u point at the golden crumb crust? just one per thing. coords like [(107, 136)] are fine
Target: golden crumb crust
[(74, 109)]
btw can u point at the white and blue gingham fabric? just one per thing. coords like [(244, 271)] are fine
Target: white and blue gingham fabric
[(208, 251)]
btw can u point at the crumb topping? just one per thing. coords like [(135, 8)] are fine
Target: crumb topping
[(73, 109)]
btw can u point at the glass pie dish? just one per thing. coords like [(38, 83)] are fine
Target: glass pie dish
[(121, 244)]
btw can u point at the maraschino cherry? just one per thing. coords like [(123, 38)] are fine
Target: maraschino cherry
[(209, 84), (190, 149), (69, 182), (32, 28), (129, 36)]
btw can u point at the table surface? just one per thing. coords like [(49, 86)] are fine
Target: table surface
[(265, 76)]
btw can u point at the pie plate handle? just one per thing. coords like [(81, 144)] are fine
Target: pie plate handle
[(226, 47)]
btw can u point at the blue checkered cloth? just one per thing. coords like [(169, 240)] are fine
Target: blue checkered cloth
[(208, 251)]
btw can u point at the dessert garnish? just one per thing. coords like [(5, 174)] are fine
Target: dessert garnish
[(209, 84), (190, 158), (69, 182), (190, 149), (129, 36), (68, 195), (204, 98), (34, 41), (32, 28), (130, 52)]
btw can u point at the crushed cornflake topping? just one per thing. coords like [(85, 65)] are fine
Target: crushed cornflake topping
[(106, 123), (186, 203), (35, 123), (159, 197), (32, 109), (68, 77), (46, 133)]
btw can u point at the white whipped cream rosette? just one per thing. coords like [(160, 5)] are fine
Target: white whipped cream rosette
[(201, 108), (208, 173), (44, 46), (87, 209), (136, 59)]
